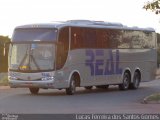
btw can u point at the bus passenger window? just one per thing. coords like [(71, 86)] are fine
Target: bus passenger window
[(63, 47)]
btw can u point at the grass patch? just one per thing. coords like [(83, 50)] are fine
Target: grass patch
[(154, 97), (4, 81)]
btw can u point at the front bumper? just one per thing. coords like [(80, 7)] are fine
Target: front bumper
[(27, 84)]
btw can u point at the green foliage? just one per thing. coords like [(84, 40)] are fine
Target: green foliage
[(4, 80), (158, 49), (154, 97), (154, 6), (4, 59)]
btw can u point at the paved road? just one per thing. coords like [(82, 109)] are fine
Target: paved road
[(84, 101)]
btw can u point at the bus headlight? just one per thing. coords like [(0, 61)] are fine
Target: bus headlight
[(12, 78), (47, 78)]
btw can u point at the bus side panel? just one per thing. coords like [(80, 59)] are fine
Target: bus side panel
[(77, 61), (96, 66), (100, 67)]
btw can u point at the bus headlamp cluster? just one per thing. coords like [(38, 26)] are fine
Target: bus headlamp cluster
[(12, 78), (47, 78)]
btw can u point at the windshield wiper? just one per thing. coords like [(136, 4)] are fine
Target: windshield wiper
[(29, 54), (34, 61), (24, 58)]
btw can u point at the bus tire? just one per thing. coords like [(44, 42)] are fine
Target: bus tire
[(126, 82), (34, 90), (72, 87), (88, 87), (136, 81)]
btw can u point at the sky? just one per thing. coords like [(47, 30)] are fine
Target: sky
[(128, 12)]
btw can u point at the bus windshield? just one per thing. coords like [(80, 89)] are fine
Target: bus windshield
[(32, 57)]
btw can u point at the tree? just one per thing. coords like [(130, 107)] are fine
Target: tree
[(4, 58), (154, 6)]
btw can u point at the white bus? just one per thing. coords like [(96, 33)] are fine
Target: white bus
[(81, 53)]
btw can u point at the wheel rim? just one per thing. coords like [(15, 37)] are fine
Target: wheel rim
[(126, 82), (136, 84), (73, 87)]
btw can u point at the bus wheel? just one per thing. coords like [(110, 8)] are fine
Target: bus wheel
[(126, 82), (136, 81), (88, 87), (72, 88), (34, 90)]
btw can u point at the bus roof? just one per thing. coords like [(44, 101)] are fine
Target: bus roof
[(84, 23)]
